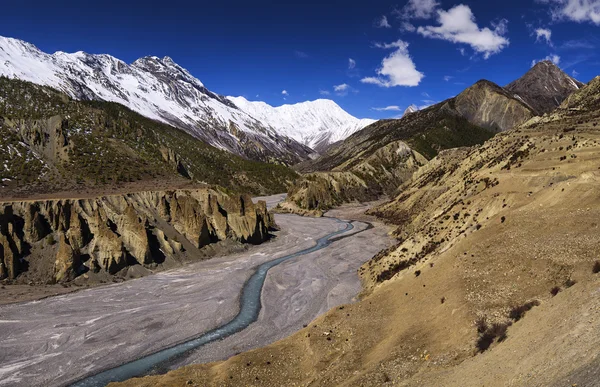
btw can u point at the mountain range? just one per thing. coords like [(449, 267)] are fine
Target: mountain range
[(382, 156), (160, 89)]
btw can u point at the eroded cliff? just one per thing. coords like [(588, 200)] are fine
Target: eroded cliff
[(59, 240)]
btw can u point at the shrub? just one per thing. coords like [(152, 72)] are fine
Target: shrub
[(555, 290), (596, 268), (570, 282), (490, 333), (517, 312), (50, 240)]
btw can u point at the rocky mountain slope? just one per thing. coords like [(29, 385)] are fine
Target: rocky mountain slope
[(160, 89), (43, 241), (316, 124), (490, 106), (544, 87), (470, 118), (384, 155), (51, 143), (494, 279)]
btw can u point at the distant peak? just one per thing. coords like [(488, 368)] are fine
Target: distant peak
[(546, 62), (411, 109)]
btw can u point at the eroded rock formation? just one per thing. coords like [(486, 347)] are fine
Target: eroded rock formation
[(112, 232)]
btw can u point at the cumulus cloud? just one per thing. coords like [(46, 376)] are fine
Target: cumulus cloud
[(417, 9), (392, 108), (284, 92), (552, 58), (397, 69), (543, 34), (579, 11), (457, 25), (351, 63), (382, 22)]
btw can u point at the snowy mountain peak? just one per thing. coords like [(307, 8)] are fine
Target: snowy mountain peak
[(410, 109), (316, 124)]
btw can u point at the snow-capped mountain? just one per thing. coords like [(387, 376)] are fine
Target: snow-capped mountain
[(160, 89), (316, 124), (410, 109)]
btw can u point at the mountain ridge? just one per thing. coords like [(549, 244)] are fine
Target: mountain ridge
[(157, 88)]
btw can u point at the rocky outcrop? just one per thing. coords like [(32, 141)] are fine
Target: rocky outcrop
[(46, 136), (67, 260), (544, 87), (356, 180), (488, 105), (107, 234)]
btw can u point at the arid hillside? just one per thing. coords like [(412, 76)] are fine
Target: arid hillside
[(494, 280)]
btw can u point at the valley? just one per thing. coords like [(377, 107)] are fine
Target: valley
[(40, 339), (155, 233), (493, 279)]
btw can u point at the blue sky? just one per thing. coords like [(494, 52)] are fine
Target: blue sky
[(424, 51)]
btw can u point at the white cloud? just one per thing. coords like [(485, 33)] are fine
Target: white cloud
[(392, 108), (417, 9), (382, 22), (324, 92), (425, 94), (284, 92), (343, 89), (301, 54), (448, 78), (407, 27), (457, 25), (552, 58), (543, 34), (462, 51), (351, 63), (397, 69), (579, 11), (575, 73)]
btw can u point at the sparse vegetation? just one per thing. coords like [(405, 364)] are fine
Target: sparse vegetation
[(101, 143), (517, 312), (570, 282), (50, 241), (596, 267), (490, 333)]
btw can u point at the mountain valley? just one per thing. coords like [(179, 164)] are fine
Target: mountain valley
[(150, 232), (493, 280)]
